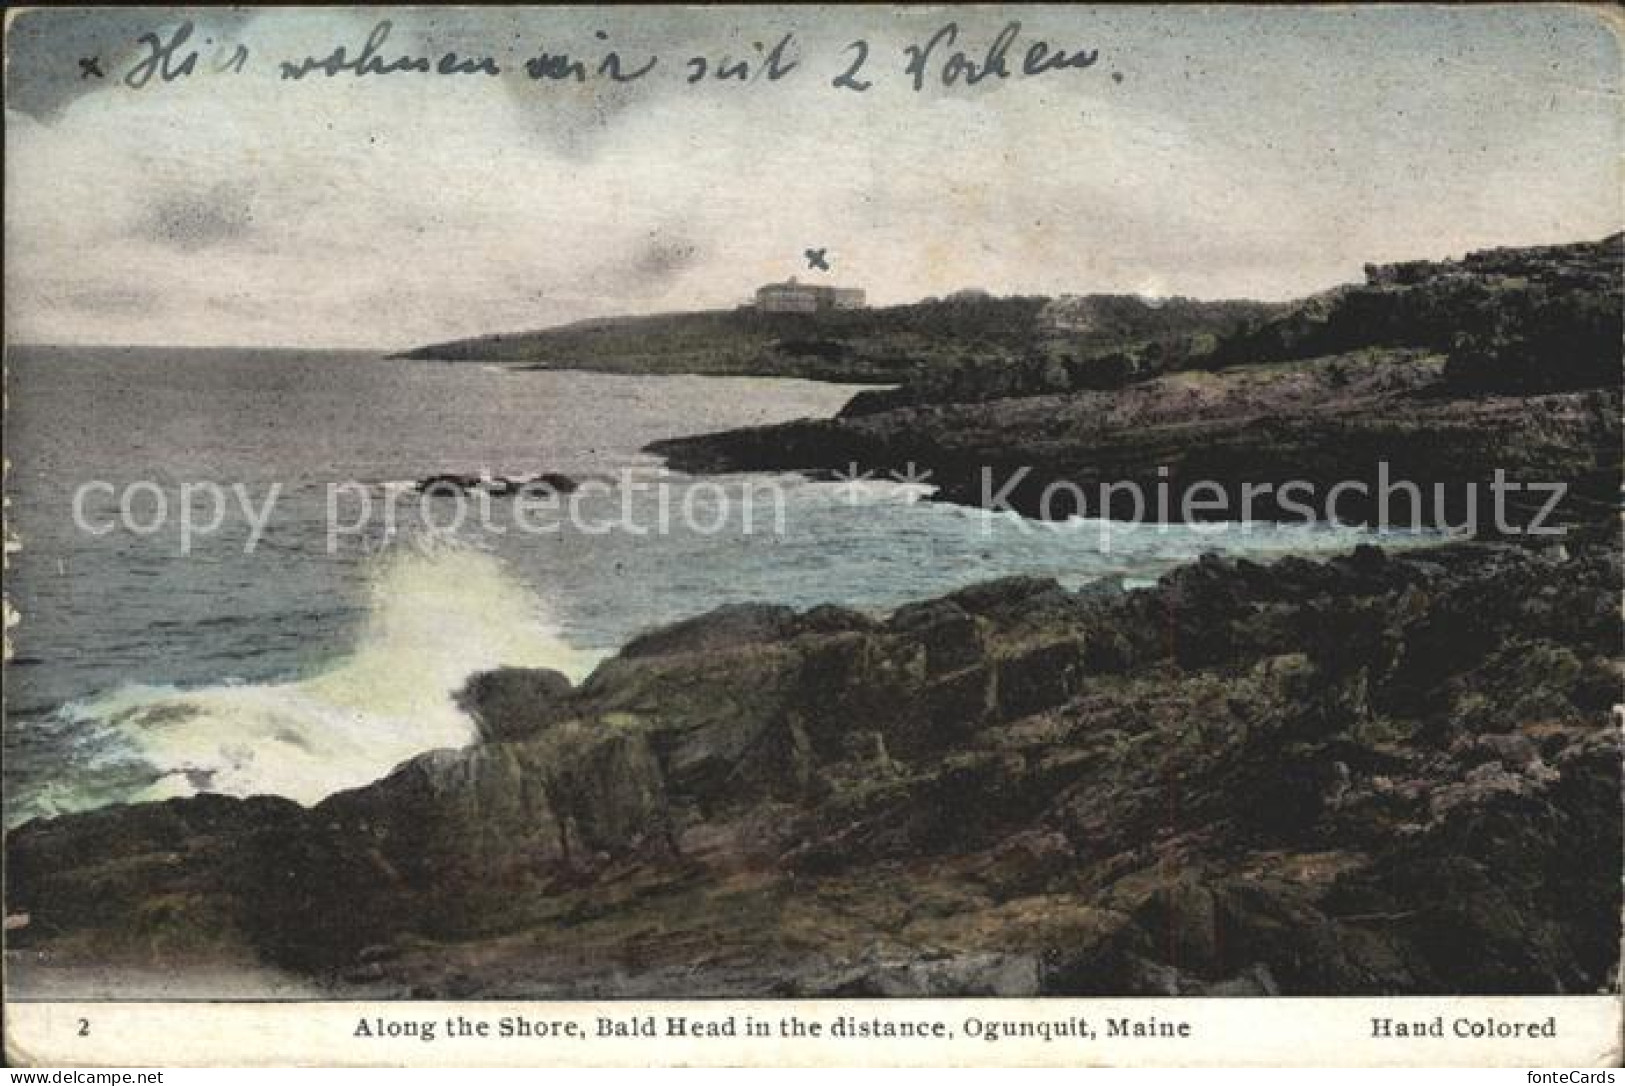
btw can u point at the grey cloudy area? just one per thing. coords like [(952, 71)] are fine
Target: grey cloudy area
[(1217, 152)]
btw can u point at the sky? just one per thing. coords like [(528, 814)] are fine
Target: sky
[(1207, 152)]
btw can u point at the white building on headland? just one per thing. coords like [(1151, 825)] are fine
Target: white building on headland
[(794, 297)]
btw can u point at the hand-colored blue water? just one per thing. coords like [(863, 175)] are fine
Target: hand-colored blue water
[(300, 668)]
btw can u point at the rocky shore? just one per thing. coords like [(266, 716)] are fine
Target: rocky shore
[(1389, 772), (1375, 774), (1444, 371)]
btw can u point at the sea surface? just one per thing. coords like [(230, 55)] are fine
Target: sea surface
[(149, 664)]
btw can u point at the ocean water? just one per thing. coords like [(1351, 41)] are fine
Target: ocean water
[(315, 661)]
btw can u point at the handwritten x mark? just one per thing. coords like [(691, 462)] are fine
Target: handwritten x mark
[(90, 66)]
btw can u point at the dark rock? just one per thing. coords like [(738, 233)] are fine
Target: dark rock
[(849, 680), (1040, 677), (726, 627), (553, 480), (547, 483), (514, 703), (1182, 917), (828, 618), (1007, 594), (957, 705), (951, 638), (448, 483)]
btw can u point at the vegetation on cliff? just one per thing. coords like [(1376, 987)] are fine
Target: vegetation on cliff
[(926, 341)]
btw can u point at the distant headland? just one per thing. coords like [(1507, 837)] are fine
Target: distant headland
[(828, 333)]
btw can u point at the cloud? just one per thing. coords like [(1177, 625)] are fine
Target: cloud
[(114, 300), (192, 221), (393, 211), (661, 257), (44, 46)]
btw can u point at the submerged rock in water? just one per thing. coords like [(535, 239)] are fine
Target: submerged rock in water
[(543, 484)]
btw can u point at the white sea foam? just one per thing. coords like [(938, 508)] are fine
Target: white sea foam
[(436, 617)]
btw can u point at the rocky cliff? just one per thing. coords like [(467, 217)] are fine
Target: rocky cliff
[(1375, 774), (1443, 371)]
